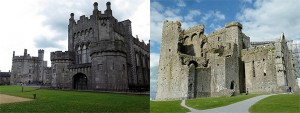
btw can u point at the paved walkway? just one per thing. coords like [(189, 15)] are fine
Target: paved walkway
[(11, 99), (239, 107)]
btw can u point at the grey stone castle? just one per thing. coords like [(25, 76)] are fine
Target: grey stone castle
[(224, 63), (102, 55)]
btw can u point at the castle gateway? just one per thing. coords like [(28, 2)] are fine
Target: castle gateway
[(224, 63), (102, 55)]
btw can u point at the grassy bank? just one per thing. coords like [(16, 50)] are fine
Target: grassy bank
[(283, 103), (213, 102), (167, 107), (73, 101)]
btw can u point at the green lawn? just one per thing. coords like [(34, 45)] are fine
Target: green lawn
[(167, 107), (213, 102), (73, 101), (283, 103)]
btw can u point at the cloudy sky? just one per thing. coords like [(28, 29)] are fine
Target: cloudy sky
[(263, 20), (42, 24)]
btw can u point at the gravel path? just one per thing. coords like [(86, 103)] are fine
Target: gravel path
[(239, 107), (11, 99)]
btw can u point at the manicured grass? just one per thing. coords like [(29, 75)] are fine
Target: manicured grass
[(73, 101), (213, 102), (283, 103), (167, 107)]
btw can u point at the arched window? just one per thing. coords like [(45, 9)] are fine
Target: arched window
[(91, 31), (84, 57), (88, 54), (137, 57), (232, 85), (78, 55), (86, 32)]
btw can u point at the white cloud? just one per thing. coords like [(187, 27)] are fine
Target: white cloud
[(268, 19), (247, 1), (180, 3), (159, 14), (198, 1), (36, 24), (214, 15), (154, 59), (192, 14)]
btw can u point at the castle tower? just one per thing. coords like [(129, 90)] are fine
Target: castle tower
[(25, 52), (71, 34), (41, 54), (169, 70), (108, 54), (234, 31), (108, 10)]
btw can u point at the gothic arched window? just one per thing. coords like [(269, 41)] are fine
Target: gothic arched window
[(78, 55), (84, 57)]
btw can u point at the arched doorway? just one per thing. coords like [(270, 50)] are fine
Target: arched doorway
[(192, 81), (80, 81), (232, 85)]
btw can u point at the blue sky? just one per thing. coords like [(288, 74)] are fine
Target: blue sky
[(263, 20)]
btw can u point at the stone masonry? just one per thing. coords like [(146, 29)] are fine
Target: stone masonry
[(102, 55), (194, 65)]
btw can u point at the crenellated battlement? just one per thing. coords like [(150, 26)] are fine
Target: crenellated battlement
[(97, 15), (142, 44), (258, 49), (59, 55), (261, 43), (195, 29), (28, 57)]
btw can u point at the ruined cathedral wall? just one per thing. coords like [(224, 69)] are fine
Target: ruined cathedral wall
[(284, 68), (260, 68), (224, 59), (172, 76), (217, 74), (203, 82), (232, 71), (173, 80)]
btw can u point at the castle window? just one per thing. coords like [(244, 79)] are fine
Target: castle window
[(137, 59), (81, 33), (232, 85), (29, 76), (91, 31), (79, 55), (253, 68), (218, 38), (88, 55), (86, 32), (84, 55), (263, 59), (265, 74)]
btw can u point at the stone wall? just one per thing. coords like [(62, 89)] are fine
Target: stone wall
[(27, 69), (260, 68)]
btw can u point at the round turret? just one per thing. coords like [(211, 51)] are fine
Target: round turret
[(95, 5), (232, 24)]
